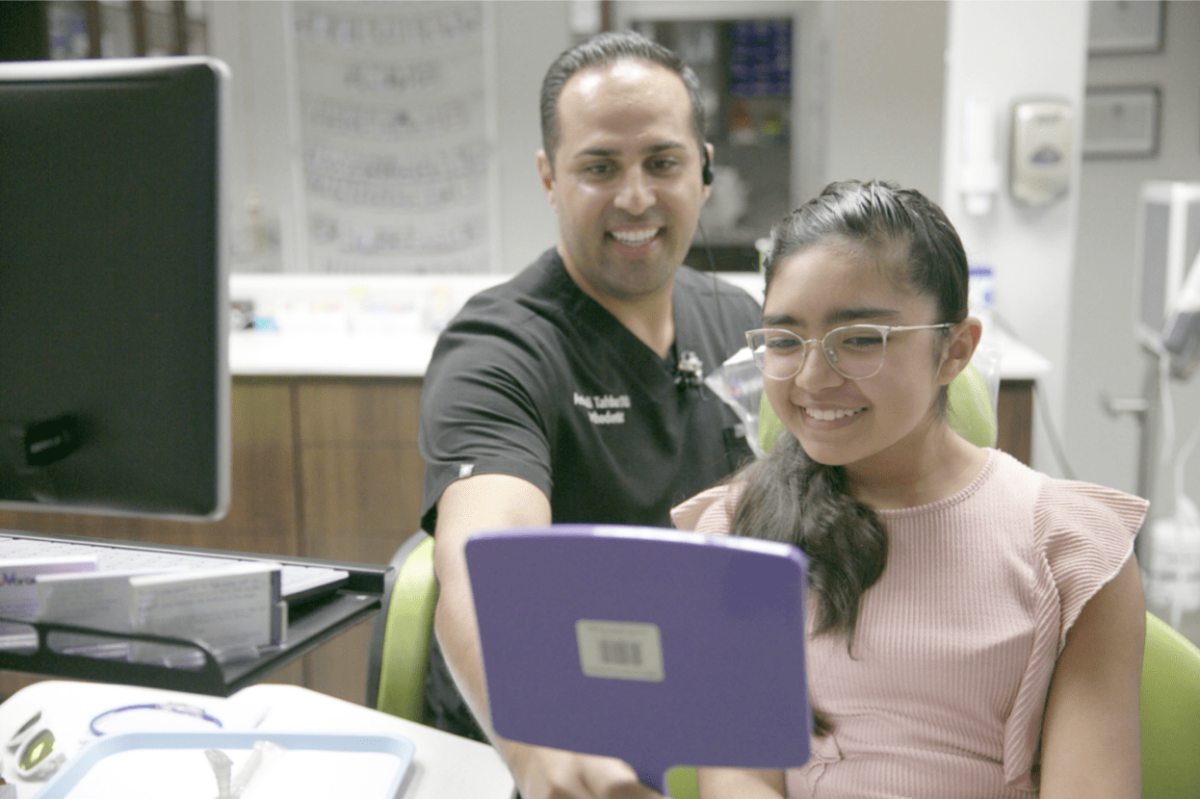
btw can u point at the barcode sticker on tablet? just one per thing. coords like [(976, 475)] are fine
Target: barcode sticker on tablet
[(620, 650)]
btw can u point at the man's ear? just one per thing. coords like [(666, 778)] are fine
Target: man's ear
[(546, 173), (707, 187), (964, 338)]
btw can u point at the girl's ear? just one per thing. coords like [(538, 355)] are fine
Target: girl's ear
[(964, 338)]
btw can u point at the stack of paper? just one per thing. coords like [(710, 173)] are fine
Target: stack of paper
[(233, 610)]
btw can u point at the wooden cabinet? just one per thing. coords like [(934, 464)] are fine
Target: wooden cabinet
[(360, 477), (320, 468), (1014, 419), (329, 468)]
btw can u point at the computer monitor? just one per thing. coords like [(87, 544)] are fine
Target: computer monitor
[(114, 383), (1168, 242)]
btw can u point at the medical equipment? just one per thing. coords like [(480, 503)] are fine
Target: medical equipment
[(1167, 325), (191, 711), (1173, 570), (37, 751), (1167, 246), (1181, 333)]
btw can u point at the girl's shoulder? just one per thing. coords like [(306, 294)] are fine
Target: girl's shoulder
[(1067, 510), (1068, 515), (710, 511), (1085, 533), (1059, 494)]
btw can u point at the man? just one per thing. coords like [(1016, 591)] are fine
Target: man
[(573, 392)]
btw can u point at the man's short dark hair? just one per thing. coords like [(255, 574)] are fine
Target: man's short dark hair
[(608, 48)]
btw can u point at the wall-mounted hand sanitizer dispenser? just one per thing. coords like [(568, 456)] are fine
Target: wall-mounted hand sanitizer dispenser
[(1042, 151)]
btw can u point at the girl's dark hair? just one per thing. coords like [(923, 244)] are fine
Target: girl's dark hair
[(607, 48), (790, 497), (888, 222)]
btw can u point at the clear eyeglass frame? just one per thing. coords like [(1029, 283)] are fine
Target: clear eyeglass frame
[(855, 352)]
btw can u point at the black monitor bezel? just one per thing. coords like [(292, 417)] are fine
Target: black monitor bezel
[(208, 79)]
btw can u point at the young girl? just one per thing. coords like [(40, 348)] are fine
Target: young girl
[(975, 628)]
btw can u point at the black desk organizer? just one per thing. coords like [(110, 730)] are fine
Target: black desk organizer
[(310, 624)]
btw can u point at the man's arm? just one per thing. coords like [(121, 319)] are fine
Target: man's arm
[(484, 502), (490, 502)]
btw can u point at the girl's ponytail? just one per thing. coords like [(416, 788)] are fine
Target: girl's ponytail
[(790, 497)]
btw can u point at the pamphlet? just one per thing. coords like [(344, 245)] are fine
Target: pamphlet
[(18, 591)]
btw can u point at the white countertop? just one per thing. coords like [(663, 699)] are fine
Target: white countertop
[(330, 354), (335, 325), (386, 326), (1018, 361), (443, 765)]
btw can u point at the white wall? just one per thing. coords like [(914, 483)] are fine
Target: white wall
[(1000, 51), (1104, 358), (886, 79), (529, 35), (252, 39)]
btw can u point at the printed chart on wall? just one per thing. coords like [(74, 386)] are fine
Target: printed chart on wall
[(395, 135)]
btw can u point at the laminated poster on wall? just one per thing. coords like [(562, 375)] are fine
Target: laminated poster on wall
[(394, 136)]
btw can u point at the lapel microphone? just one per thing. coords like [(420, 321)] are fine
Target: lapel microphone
[(689, 370)]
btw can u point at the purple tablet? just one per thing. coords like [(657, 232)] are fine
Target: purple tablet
[(659, 647)]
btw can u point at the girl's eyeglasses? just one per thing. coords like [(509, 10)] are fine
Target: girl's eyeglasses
[(855, 352)]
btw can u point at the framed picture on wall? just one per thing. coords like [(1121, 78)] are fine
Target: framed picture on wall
[(1121, 121), (1118, 27)]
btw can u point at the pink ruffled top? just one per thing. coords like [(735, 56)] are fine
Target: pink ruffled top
[(957, 641)]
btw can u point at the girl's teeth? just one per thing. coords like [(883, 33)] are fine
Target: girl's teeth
[(829, 416), (635, 239)]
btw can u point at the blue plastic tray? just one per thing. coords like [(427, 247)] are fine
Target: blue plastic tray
[(60, 785)]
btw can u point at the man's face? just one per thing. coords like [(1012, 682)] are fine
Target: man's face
[(625, 182)]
